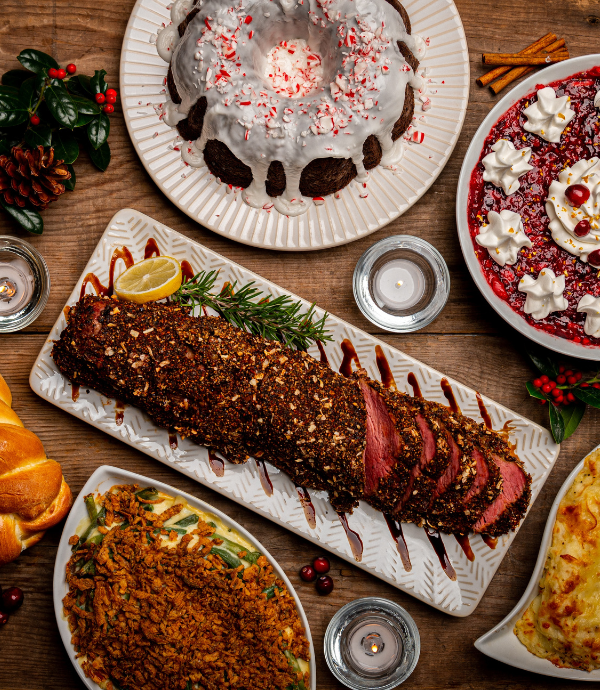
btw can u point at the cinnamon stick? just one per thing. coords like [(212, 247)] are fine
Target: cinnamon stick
[(517, 72), (541, 44), (518, 60)]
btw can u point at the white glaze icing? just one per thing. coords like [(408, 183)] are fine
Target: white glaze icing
[(591, 306), (544, 293), (503, 236), (549, 115), (597, 100), (293, 70), (180, 10), (222, 56), (166, 40), (505, 165), (564, 218)]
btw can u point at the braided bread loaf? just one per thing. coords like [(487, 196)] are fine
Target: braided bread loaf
[(33, 493)]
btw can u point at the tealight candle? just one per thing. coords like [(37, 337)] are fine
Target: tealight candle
[(24, 284), (372, 644), (401, 283)]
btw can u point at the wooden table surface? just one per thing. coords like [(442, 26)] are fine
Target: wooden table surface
[(468, 342)]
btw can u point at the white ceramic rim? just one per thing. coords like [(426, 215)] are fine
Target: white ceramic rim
[(501, 643), (560, 70), (337, 221), (103, 479)]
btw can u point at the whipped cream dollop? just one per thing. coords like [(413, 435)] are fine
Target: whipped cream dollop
[(503, 236), (565, 218), (544, 293), (591, 306), (549, 115), (505, 165)]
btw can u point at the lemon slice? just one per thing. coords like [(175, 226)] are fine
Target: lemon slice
[(149, 280)]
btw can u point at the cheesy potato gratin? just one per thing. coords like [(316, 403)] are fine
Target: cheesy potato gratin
[(562, 624)]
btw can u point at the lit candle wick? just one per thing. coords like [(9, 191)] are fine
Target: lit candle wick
[(399, 284), (374, 649)]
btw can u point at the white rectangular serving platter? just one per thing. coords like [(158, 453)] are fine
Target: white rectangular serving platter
[(426, 581), (100, 482)]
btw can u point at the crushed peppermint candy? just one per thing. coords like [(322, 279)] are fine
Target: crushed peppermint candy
[(293, 70)]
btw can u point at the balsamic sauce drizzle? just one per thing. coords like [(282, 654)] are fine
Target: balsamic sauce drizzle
[(412, 381), (322, 353), (354, 539), (217, 464), (395, 527), (465, 545), (350, 356), (172, 439), (307, 505), (265, 480), (449, 395), (385, 371), (74, 392), (435, 539), (485, 415), (119, 412)]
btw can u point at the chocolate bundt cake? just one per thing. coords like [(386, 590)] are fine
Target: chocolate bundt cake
[(290, 100)]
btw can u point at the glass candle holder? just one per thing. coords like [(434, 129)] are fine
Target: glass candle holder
[(24, 284), (401, 283), (372, 643)]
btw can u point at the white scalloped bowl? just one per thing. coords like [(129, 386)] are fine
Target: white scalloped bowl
[(561, 70), (102, 480), (502, 644)]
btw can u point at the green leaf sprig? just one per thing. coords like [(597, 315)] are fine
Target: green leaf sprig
[(574, 391), (39, 108), (280, 318)]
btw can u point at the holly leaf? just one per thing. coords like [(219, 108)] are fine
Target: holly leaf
[(4, 147), (38, 136), (557, 423), (26, 217), (543, 363), (28, 92), (60, 104), (83, 120), (100, 156), (590, 396), (85, 106), (12, 111), (535, 392), (572, 414), (10, 91), (65, 146), (36, 61), (98, 130), (80, 84), (70, 183), (97, 83), (15, 77)]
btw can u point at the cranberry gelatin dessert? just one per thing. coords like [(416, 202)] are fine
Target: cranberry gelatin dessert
[(290, 100), (533, 208)]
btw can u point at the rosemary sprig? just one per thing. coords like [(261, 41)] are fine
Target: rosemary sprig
[(278, 318)]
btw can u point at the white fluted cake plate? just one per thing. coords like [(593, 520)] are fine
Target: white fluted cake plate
[(242, 483), (339, 220)]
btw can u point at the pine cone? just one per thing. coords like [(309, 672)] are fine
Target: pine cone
[(32, 175)]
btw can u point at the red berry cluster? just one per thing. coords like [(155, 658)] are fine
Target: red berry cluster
[(10, 600), (559, 389), (110, 98), (310, 573)]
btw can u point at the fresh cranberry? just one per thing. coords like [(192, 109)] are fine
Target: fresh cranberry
[(321, 565), (71, 68), (324, 585), (594, 258), (111, 92), (35, 120), (61, 74), (561, 378), (544, 378), (537, 383), (577, 194), (100, 98), (12, 598), (52, 73), (582, 228), (546, 388), (3, 618), (308, 573), (109, 108)]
